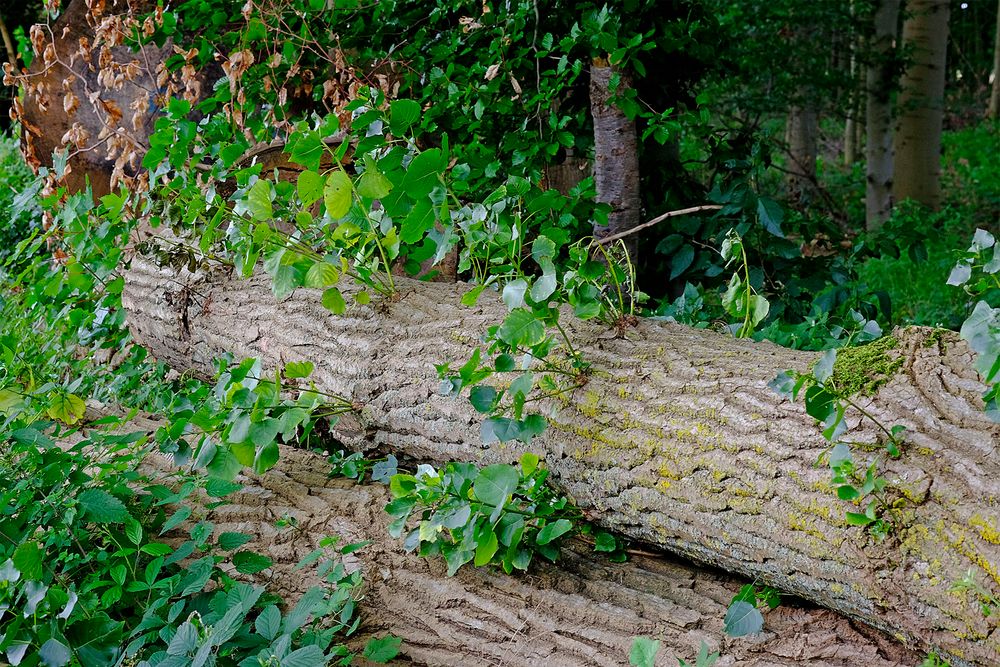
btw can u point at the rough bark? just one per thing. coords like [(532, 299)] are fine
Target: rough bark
[(921, 103), (994, 109), (616, 156), (675, 440), (878, 115), (585, 611)]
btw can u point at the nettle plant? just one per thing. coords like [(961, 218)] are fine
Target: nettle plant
[(100, 563), (856, 482), (978, 273)]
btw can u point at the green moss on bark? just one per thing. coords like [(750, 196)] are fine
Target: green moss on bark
[(865, 368)]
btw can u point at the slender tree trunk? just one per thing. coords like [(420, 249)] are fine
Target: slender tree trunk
[(851, 132), (585, 611), (921, 104), (880, 82), (994, 109), (676, 440), (616, 156), (803, 135), (8, 44)]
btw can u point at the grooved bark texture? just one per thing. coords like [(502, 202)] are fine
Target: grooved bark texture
[(879, 84), (616, 156), (921, 103), (586, 611), (675, 440)]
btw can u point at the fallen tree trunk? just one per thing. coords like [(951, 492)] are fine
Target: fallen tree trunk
[(675, 441), (584, 612)]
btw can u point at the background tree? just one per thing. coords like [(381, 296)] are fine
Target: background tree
[(917, 142)]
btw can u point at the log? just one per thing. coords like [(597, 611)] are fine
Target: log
[(586, 611), (675, 441)]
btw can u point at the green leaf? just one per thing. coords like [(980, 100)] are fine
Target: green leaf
[(373, 184), (67, 408), (513, 293), (529, 463), (495, 483), (604, 541), (403, 114), (423, 174), (248, 562), (259, 200), (298, 369), (266, 457), (857, 519), (229, 541), (333, 301), (307, 656), (54, 653), (771, 215), (554, 530), (382, 649), (417, 222), (27, 559), (643, 652), (522, 328), (482, 398), (268, 623), (743, 619), (338, 194), (486, 545), (310, 187), (847, 492), (100, 506)]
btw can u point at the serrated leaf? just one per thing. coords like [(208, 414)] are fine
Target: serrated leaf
[(67, 408), (27, 558), (268, 623), (643, 652), (248, 562), (100, 506), (229, 541)]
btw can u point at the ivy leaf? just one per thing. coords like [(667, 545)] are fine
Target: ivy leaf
[(310, 187), (67, 408), (423, 174), (259, 200), (338, 194), (100, 506), (495, 483), (743, 619)]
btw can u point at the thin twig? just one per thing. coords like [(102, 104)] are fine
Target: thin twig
[(659, 219)]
